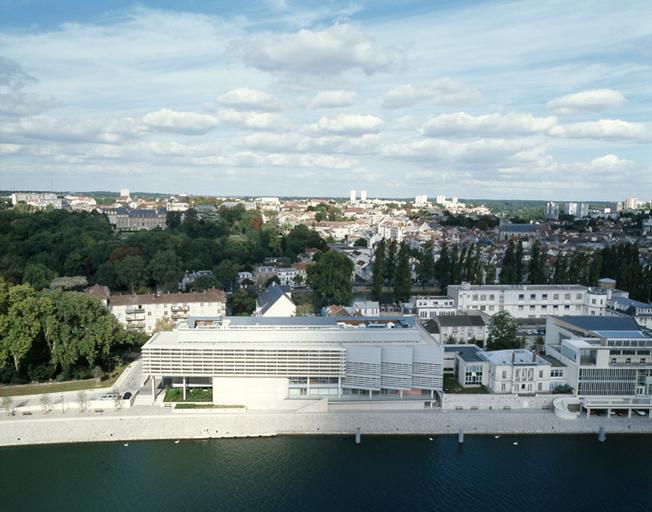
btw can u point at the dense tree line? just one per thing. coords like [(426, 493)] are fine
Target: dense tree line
[(54, 334), (36, 247)]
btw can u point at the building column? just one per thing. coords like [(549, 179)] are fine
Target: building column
[(400, 394), (307, 386), (184, 388), (153, 379), (629, 412), (370, 393), (339, 386)]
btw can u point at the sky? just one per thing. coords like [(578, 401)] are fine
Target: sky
[(477, 99)]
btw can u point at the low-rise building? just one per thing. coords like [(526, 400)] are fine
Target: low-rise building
[(142, 312), (269, 362), (605, 356), (459, 328), (429, 306), (366, 307), (518, 371), (639, 311), (130, 219), (275, 301)]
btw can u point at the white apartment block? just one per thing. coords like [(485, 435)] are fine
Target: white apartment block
[(39, 200), (533, 301), (141, 312), (429, 306), (518, 371), (367, 307)]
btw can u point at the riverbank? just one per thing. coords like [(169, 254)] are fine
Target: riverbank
[(158, 424)]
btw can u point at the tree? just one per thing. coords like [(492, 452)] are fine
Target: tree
[(8, 404), (390, 262), (130, 272), (403, 277), (502, 332), (226, 274), (330, 279), (44, 400), (508, 269), (443, 268), (426, 268), (378, 278), (243, 301), (166, 271), (536, 270), (164, 324), (38, 275), (520, 268), (273, 279), (82, 400), (360, 242)]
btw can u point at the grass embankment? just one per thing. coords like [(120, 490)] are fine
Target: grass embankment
[(192, 395), (61, 387), (452, 386)]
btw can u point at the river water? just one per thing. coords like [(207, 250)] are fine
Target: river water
[(552, 473)]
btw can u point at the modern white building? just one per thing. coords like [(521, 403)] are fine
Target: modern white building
[(367, 307), (363, 195), (39, 200), (429, 306), (421, 200), (606, 356), (270, 362), (533, 301), (141, 312), (352, 196), (551, 211)]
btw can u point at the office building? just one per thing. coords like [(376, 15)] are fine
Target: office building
[(429, 306), (421, 200), (606, 356), (533, 301), (363, 195), (353, 196), (269, 362)]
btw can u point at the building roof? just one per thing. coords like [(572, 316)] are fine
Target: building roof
[(366, 304), (468, 353), (270, 296), (515, 357), (518, 228), (460, 320), (211, 295), (601, 323), (555, 363)]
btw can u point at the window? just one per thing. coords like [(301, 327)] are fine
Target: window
[(492, 297), (521, 296), (539, 386), (566, 306), (504, 374), (474, 297), (483, 297), (533, 296), (520, 308), (544, 296), (502, 387), (567, 296), (541, 374), (555, 296), (578, 296)]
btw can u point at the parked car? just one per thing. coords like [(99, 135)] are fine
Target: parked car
[(639, 412), (109, 396), (127, 395)]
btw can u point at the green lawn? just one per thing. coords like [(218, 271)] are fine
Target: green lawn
[(60, 387), (207, 406), (193, 395), (452, 386)]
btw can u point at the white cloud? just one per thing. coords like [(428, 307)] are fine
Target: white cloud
[(442, 149), (293, 142), (333, 99), (9, 149), (594, 100), (18, 103), (253, 159), (350, 124), (608, 129), (610, 162), (253, 120), (461, 123), (336, 49), (244, 98), (440, 92), (189, 123)]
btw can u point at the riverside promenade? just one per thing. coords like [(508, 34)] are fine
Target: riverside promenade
[(155, 423)]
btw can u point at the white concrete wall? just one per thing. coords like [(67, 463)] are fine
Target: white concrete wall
[(467, 401), (254, 392)]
